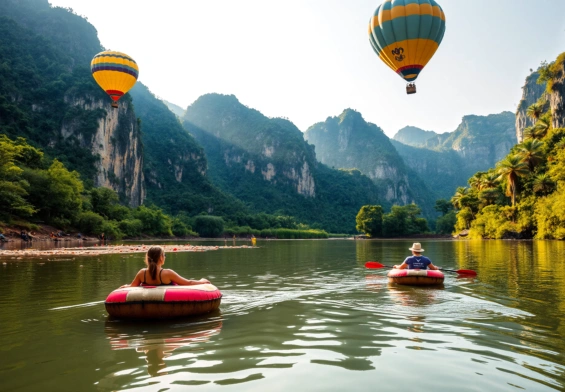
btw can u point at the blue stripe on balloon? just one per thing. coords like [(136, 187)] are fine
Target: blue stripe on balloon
[(103, 54), (406, 27), (410, 71), (399, 24), (413, 26), (110, 64), (106, 67)]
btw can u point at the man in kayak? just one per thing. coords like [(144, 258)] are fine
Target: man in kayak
[(416, 261)]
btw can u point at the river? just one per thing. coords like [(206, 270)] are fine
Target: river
[(295, 315)]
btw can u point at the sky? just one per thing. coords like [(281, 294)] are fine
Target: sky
[(307, 60)]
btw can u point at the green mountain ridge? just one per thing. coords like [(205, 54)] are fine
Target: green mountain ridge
[(175, 165), (267, 164), (348, 141)]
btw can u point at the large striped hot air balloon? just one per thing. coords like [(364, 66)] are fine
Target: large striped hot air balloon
[(406, 34), (115, 72)]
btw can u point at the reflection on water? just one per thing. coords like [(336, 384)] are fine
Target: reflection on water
[(158, 339), (302, 315)]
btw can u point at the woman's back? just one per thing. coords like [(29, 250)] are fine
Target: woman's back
[(161, 278)]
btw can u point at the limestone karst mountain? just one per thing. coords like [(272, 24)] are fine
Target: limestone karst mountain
[(348, 141), (267, 164)]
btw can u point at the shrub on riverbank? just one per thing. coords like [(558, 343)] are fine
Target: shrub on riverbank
[(276, 233)]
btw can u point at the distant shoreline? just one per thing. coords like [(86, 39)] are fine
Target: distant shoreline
[(18, 254)]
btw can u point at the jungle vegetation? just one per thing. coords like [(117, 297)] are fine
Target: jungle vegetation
[(523, 196)]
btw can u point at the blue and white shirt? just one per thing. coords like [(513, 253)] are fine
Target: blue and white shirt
[(417, 262)]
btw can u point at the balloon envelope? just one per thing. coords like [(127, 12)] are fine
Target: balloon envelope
[(115, 72), (405, 34)]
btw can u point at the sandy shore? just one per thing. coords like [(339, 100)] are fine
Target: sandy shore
[(105, 250)]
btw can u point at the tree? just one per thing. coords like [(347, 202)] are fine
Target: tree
[(509, 170), (103, 201), (446, 224), (542, 127), (370, 220), (404, 220), (535, 110), (209, 226), (543, 184), (531, 152), (456, 200), (155, 222), (489, 196), (488, 181), (443, 206), (13, 188)]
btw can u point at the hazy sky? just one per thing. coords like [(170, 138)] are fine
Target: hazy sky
[(310, 59)]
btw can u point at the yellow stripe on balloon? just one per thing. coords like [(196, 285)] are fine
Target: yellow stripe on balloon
[(424, 52), (384, 16)]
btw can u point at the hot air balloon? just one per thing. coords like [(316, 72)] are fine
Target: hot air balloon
[(115, 72), (405, 34)]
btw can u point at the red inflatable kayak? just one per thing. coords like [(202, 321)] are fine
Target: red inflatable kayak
[(159, 302), (415, 277)]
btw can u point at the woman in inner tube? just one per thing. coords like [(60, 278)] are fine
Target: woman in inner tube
[(156, 275)]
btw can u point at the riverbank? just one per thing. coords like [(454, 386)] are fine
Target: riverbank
[(19, 254)]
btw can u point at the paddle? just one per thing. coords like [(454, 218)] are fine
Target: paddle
[(376, 264)]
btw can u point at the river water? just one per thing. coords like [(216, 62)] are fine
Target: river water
[(296, 315)]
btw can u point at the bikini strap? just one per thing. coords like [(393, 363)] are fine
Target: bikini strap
[(160, 272)]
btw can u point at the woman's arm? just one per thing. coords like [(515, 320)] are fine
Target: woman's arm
[(432, 267), (136, 281), (176, 278)]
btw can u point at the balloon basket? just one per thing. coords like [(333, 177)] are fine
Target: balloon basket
[(411, 88), (115, 105)]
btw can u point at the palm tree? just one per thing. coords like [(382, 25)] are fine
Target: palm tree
[(510, 169), (528, 132), (543, 184), (488, 181), (475, 181), (489, 196), (460, 193), (531, 152), (541, 128), (535, 110)]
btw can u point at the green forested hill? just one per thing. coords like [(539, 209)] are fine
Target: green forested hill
[(175, 165), (38, 78), (267, 164), (348, 141), (442, 171), (523, 194)]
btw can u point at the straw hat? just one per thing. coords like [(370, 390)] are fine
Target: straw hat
[(416, 247)]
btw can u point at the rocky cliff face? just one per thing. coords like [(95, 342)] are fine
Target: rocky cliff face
[(349, 142), (557, 96), (442, 171), (447, 160), (482, 141), (117, 143), (531, 92), (254, 142)]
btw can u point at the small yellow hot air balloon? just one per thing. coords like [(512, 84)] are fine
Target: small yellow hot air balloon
[(405, 34), (115, 72)]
